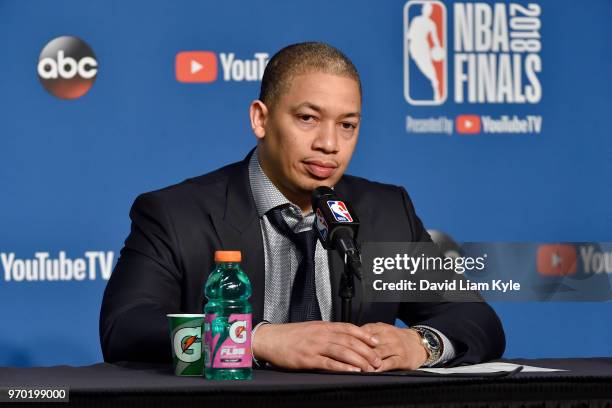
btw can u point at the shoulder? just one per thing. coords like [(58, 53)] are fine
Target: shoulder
[(201, 191), (359, 188), (367, 195), (386, 207)]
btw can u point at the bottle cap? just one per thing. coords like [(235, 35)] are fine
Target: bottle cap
[(228, 256)]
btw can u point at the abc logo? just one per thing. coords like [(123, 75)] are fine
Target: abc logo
[(67, 67)]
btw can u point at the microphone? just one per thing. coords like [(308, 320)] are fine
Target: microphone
[(337, 225)]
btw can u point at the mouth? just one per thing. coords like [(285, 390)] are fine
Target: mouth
[(320, 169)]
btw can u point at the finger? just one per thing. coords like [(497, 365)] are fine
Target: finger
[(377, 329), (373, 326), (391, 363), (348, 356), (386, 350), (355, 331), (387, 337), (329, 364), (369, 327), (358, 346)]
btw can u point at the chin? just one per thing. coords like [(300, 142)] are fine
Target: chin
[(318, 183), (307, 183)]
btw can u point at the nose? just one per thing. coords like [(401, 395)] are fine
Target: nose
[(327, 139)]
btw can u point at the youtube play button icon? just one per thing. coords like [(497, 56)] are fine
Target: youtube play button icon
[(557, 259), (468, 124), (196, 66)]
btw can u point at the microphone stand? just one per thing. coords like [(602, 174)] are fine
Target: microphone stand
[(352, 269)]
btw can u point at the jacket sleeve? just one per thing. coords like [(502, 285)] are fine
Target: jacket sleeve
[(143, 288), (473, 327)]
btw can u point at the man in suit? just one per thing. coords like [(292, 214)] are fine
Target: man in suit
[(306, 122)]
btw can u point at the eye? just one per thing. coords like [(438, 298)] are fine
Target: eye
[(306, 118), (348, 125)]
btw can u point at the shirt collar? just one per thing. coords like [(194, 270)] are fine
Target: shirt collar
[(265, 193)]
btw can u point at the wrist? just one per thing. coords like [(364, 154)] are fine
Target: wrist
[(431, 342), (422, 351), (258, 341)]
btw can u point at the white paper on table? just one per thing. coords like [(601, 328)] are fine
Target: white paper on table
[(488, 368)]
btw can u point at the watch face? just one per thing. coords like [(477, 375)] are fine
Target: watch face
[(432, 340)]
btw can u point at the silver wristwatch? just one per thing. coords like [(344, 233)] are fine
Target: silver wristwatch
[(432, 343)]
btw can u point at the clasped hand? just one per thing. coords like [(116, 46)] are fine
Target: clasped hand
[(320, 345)]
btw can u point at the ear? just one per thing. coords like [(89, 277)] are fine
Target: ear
[(258, 112)]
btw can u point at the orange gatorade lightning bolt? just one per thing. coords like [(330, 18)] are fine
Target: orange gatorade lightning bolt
[(190, 340), (239, 330)]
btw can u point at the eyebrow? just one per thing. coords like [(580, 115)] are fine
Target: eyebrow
[(317, 108)]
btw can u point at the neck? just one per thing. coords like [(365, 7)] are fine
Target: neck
[(297, 199), (301, 199)]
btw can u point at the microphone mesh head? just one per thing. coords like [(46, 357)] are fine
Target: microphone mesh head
[(319, 192)]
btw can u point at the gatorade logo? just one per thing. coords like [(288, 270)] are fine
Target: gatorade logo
[(188, 344), (238, 331), (67, 67)]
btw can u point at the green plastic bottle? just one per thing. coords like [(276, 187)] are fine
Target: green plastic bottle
[(228, 324)]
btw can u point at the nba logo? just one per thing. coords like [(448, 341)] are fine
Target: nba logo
[(321, 225), (339, 210), (425, 59)]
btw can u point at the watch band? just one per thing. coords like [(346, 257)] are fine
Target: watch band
[(432, 343), (258, 363)]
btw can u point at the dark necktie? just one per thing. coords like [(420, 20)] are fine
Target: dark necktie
[(303, 305)]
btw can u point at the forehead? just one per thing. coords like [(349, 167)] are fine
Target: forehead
[(329, 91)]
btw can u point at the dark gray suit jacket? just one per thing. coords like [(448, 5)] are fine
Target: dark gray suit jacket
[(170, 252)]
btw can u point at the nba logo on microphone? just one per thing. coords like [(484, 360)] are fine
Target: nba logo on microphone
[(425, 52), (321, 225), (339, 210)]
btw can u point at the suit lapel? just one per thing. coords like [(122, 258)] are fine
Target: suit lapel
[(238, 228)]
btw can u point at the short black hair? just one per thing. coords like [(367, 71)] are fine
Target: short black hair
[(302, 58)]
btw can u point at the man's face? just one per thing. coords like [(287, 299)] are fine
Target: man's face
[(310, 133)]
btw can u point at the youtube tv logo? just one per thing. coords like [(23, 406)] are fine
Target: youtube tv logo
[(557, 260), (468, 124), (209, 66), (196, 66)]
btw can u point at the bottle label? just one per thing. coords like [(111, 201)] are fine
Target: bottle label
[(228, 341)]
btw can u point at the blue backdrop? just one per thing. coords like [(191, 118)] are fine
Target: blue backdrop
[(70, 169)]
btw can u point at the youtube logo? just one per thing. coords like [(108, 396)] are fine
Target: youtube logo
[(556, 259), (468, 124), (196, 66)]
